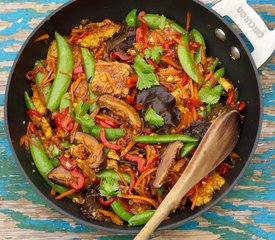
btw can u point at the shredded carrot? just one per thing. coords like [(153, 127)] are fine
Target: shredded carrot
[(182, 123), (128, 148), (184, 93), (42, 37), (93, 100), (170, 62), (142, 188), (209, 75), (191, 88), (114, 218), (53, 192), (234, 155), (65, 194), (170, 71), (195, 90), (95, 112), (73, 132), (110, 80), (121, 177), (194, 114), (159, 199), (144, 174), (195, 197), (104, 64), (181, 43), (188, 21), (149, 200)]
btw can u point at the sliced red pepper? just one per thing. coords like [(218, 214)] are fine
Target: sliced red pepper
[(151, 62), (124, 58), (212, 81), (168, 44), (32, 112), (79, 69), (190, 192), (194, 45), (141, 30), (192, 102), (139, 160), (242, 106), (125, 204), (67, 163), (64, 121), (138, 106), (106, 143), (222, 169), (133, 180), (130, 99), (230, 98), (185, 78), (132, 81), (106, 203), (79, 180), (102, 123)]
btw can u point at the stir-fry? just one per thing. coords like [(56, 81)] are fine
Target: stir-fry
[(117, 111)]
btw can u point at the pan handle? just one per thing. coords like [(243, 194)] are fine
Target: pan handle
[(251, 24)]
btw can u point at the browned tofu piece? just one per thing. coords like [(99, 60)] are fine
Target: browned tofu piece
[(206, 192), (111, 78), (99, 33)]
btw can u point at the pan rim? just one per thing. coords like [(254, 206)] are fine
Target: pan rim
[(136, 229)]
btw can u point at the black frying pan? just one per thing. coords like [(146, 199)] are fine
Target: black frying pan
[(242, 72)]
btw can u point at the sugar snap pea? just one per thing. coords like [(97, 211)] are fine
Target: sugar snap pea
[(131, 18), (66, 102), (186, 60), (118, 208), (110, 133), (214, 65), (108, 173), (197, 37), (218, 74), (28, 101), (89, 66), (165, 138), (65, 64), (187, 148), (43, 163), (141, 218), (39, 78), (155, 21)]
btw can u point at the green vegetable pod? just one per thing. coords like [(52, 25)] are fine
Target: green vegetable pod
[(39, 78), (65, 64), (108, 173), (155, 21), (219, 73), (118, 208), (43, 163), (131, 18), (186, 60), (66, 102), (197, 37), (28, 101), (165, 138), (141, 218), (110, 133), (187, 148)]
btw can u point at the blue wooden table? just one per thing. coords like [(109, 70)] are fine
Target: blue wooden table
[(247, 212)]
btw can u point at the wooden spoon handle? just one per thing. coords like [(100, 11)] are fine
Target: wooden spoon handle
[(218, 142)]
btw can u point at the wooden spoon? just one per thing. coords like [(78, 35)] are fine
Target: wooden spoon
[(218, 142)]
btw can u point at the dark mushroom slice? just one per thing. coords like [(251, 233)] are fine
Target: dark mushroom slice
[(166, 160), (92, 143), (61, 176), (90, 206), (121, 109)]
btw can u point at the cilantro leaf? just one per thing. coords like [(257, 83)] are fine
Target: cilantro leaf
[(210, 95), (109, 187), (145, 72), (156, 53), (153, 118), (82, 117)]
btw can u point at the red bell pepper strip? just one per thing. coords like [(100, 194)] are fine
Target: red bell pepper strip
[(79, 69), (125, 204), (80, 180), (106, 203), (152, 155), (242, 105), (67, 163), (138, 106), (130, 99), (64, 121), (132, 81), (192, 102), (133, 180), (230, 98), (139, 160), (151, 62), (141, 30), (222, 169), (190, 192), (194, 45), (105, 142), (185, 78), (32, 112), (124, 58)]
